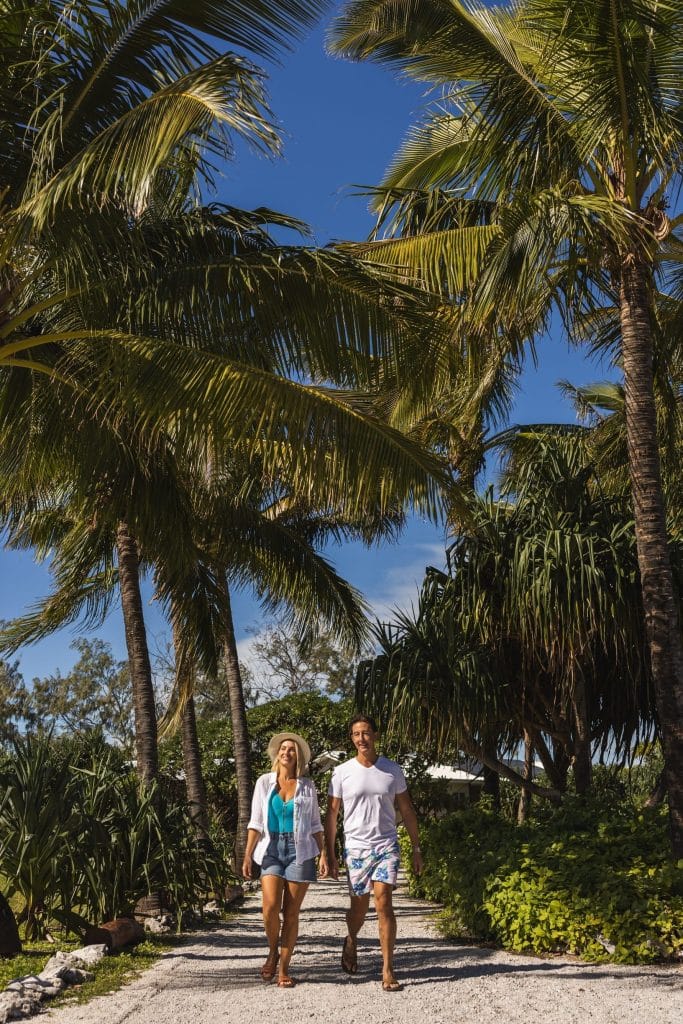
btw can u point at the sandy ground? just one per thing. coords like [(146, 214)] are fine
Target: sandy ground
[(214, 980)]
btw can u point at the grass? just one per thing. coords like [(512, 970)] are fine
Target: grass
[(110, 973)]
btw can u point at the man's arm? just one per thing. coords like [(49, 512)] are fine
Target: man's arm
[(405, 806), (333, 805)]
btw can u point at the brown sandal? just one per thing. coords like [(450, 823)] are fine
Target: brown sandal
[(285, 981)]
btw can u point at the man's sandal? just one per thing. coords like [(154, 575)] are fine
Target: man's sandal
[(269, 968), (349, 960), (392, 986), (285, 981)]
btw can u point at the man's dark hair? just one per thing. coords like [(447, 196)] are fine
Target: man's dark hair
[(363, 718)]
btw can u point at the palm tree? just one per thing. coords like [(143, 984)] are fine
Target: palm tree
[(267, 538), (90, 299), (559, 138), (199, 532), (125, 303)]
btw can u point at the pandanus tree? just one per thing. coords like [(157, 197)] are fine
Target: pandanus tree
[(559, 134), (533, 633)]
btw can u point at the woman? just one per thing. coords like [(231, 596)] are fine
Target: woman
[(284, 836)]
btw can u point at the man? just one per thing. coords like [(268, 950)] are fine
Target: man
[(370, 787)]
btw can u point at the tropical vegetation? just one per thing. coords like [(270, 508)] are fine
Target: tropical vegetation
[(591, 878), (535, 633), (538, 182), (187, 399)]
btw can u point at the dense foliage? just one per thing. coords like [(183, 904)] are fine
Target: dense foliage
[(323, 722), (593, 879), (80, 842), (535, 631)]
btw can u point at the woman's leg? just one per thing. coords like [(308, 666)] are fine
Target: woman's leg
[(272, 888), (293, 898)]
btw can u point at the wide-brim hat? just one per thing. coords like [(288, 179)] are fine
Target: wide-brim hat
[(280, 737)]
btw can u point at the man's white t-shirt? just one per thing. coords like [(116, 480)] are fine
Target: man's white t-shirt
[(368, 796)]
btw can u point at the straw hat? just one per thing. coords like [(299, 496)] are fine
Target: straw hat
[(280, 737)]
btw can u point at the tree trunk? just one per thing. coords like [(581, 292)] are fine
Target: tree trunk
[(194, 780), (138, 656), (657, 795), (10, 943), (525, 795), (192, 759), (557, 773), (583, 768), (662, 623), (240, 734), (492, 786)]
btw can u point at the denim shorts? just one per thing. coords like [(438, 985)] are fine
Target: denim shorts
[(280, 859)]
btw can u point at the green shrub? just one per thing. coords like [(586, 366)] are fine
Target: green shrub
[(587, 879), (81, 842)]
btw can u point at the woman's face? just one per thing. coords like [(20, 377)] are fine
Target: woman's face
[(286, 755)]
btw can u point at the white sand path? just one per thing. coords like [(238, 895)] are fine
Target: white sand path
[(213, 979)]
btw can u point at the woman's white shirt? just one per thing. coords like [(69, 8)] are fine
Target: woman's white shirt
[(306, 816)]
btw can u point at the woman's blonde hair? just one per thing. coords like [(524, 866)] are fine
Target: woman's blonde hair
[(301, 767)]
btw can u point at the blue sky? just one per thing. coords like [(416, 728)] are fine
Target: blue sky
[(341, 122)]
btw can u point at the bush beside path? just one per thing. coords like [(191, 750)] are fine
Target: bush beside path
[(215, 979)]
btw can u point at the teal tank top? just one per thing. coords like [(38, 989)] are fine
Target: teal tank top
[(280, 814)]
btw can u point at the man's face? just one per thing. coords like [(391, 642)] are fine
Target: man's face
[(363, 738)]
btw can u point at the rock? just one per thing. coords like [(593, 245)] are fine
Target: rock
[(23, 996), (154, 905), (606, 944), (90, 954), (234, 893), (15, 1005), (157, 926), (122, 931), (43, 988), (65, 966)]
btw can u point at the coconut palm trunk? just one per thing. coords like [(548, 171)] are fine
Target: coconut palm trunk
[(240, 733), (191, 755), (138, 656), (194, 779), (192, 759), (659, 601)]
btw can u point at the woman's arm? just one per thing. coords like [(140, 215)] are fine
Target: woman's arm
[(317, 831)]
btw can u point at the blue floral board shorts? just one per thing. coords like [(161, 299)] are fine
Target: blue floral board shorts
[(280, 859), (376, 866)]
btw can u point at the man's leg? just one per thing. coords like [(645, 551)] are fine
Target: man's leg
[(272, 887), (386, 920), (355, 917)]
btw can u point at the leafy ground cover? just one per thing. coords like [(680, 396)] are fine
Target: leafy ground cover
[(589, 879)]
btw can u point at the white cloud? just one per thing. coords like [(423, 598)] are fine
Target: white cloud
[(395, 588), (399, 586)]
